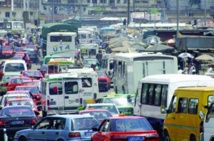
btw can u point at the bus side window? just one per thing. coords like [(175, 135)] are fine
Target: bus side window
[(157, 95), (172, 106), (119, 69), (144, 93), (164, 95), (151, 94), (193, 106), (182, 105)]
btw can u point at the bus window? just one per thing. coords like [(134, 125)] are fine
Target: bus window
[(44, 88), (172, 106), (144, 93), (157, 95), (104, 64), (71, 87), (119, 69), (151, 94), (55, 88), (164, 95), (111, 65), (92, 52)]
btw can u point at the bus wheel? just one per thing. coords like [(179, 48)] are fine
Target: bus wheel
[(192, 138), (166, 136)]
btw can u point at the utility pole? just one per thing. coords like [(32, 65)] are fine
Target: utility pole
[(52, 11), (128, 13), (177, 3), (205, 13), (80, 11)]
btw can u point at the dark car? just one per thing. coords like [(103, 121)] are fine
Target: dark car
[(15, 118), (31, 50)]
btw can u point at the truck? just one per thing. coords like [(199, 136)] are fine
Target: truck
[(55, 27)]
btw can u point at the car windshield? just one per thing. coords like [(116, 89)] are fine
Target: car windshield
[(99, 115), (132, 124), (84, 123), (6, 78), (14, 67), (21, 102), (91, 61), (19, 49), (32, 73), (6, 48), (111, 108), (18, 80), (33, 90), (101, 73), (30, 47), (17, 111), (32, 83), (120, 101)]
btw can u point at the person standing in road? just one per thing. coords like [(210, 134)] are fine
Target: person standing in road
[(99, 56), (37, 54), (1, 45)]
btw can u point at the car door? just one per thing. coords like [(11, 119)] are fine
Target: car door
[(53, 132), (103, 129), (40, 129)]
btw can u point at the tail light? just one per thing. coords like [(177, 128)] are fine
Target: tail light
[(1, 122), (74, 134), (49, 108), (3, 85), (33, 121), (201, 127)]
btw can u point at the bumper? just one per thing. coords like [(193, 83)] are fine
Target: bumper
[(11, 132)]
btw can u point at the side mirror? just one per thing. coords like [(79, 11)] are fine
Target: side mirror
[(163, 109), (94, 129)]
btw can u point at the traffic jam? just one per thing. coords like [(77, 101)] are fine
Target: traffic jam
[(94, 93)]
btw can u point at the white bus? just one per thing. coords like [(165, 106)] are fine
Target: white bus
[(84, 36), (107, 64), (12, 25), (129, 68), (157, 90), (89, 83), (63, 93), (89, 50), (61, 43)]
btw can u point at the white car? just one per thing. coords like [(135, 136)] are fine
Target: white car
[(106, 106), (11, 96)]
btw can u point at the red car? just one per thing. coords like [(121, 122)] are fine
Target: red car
[(24, 101), (103, 80), (35, 74), (125, 128), (33, 89), (99, 114), (16, 81), (7, 51)]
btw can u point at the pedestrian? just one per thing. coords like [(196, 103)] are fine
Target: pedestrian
[(99, 56), (192, 69), (37, 61), (210, 69), (1, 45)]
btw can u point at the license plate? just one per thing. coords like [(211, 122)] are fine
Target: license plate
[(52, 103), (17, 122), (88, 133), (135, 138)]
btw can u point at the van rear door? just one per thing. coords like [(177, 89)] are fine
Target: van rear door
[(73, 89)]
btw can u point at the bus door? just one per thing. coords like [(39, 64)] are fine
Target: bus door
[(56, 99), (72, 93)]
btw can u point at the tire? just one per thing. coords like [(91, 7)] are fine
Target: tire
[(22, 138), (192, 138), (166, 136)]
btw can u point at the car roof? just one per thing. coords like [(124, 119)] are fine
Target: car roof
[(101, 104), (19, 77), (33, 80), (28, 86), (94, 110), (71, 116), (19, 99), (14, 61), (125, 117), (20, 106), (16, 91)]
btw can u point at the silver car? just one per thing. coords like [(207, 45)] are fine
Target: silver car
[(60, 128)]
